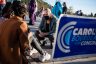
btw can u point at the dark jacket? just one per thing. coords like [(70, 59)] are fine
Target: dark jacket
[(52, 25)]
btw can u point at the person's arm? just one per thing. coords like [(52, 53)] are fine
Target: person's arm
[(53, 29), (41, 24), (24, 35)]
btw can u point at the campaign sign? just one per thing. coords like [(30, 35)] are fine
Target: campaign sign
[(75, 36)]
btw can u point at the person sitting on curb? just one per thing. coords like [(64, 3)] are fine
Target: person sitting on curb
[(47, 27), (36, 45), (37, 48)]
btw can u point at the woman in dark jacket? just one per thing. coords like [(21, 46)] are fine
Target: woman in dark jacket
[(47, 27)]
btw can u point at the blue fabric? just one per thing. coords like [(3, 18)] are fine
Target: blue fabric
[(57, 9)]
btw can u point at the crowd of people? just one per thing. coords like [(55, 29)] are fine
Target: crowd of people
[(15, 36), (57, 9), (13, 33)]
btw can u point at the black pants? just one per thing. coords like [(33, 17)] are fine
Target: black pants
[(35, 44), (51, 38)]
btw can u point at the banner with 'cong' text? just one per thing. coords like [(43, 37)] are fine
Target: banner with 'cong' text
[(75, 36)]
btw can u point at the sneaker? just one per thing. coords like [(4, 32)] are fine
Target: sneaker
[(45, 57), (33, 51), (43, 44)]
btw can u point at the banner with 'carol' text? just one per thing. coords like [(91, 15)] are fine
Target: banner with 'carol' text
[(75, 36)]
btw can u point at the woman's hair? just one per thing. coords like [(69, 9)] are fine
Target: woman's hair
[(19, 8), (7, 10), (48, 11)]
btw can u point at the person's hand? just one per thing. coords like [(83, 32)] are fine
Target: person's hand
[(45, 34), (41, 34)]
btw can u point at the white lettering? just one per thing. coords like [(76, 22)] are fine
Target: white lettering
[(80, 32), (83, 31), (75, 31), (84, 43)]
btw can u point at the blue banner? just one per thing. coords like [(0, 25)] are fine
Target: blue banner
[(75, 36)]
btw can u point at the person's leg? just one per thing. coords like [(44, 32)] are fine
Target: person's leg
[(31, 18), (35, 43), (44, 55), (38, 37), (51, 38), (37, 46), (48, 39)]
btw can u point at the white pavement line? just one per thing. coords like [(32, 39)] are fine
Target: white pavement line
[(71, 61), (81, 60), (47, 63)]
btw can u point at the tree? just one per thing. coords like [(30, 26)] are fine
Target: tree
[(70, 10), (95, 15)]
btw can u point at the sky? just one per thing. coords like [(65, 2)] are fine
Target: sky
[(87, 6)]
